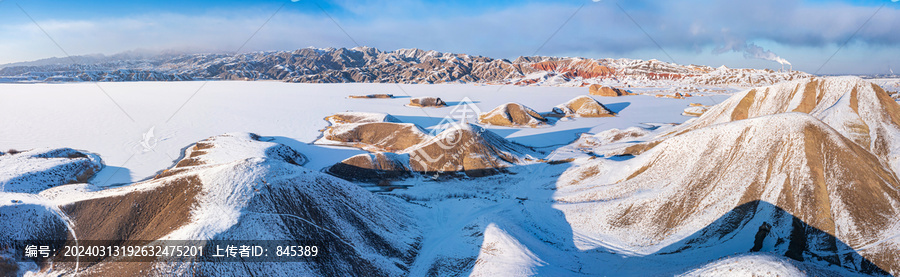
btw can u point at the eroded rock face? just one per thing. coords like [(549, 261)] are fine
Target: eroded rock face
[(513, 115), (607, 91)]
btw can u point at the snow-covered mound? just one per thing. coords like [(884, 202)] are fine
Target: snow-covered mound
[(372, 96), (230, 147), (582, 106), (856, 108), (607, 91), (371, 131), (695, 110), (471, 148), (763, 265), (607, 139), (39, 169), (26, 216), (513, 115), (462, 148), (379, 136), (240, 187), (360, 117), (373, 167), (824, 197), (428, 101)]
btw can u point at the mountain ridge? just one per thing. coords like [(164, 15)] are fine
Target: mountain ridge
[(371, 65)]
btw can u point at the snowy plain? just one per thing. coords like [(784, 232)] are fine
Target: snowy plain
[(509, 223), (140, 128)]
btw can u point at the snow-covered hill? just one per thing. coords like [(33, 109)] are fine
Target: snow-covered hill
[(857, 109), (803, 167), (237, 187), (816, 157), (371, 131), (752, 186), (460, 149), (38, 169), (513, 115)]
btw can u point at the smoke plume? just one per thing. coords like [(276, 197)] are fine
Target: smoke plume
[(751, 51)]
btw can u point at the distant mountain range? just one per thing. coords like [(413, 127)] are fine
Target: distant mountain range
[(370, 65)]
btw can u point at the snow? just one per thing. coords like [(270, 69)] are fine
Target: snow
[(503, 111), (712, 170), (502, 254), (39, 169), (362, 117), (239, 175), (675, 163), (695, 110), (833, 106), (283, 114), (889, 84), (540, 219), (748, 265), (292, 114)]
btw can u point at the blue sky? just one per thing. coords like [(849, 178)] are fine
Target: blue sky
[(754, 34)]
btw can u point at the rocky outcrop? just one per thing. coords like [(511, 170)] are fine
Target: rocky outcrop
[(374, 136), (513, 115), (370, 131), (466, 150), (695, 109), (582, 106), (359, 117), (607, 91), (373, 96), (428, 101)]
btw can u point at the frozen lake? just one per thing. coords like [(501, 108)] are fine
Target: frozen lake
[(142, 127)]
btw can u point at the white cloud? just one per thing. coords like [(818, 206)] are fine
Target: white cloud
[(597, 30)]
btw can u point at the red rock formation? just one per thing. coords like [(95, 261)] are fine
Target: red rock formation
[(572, 68)]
